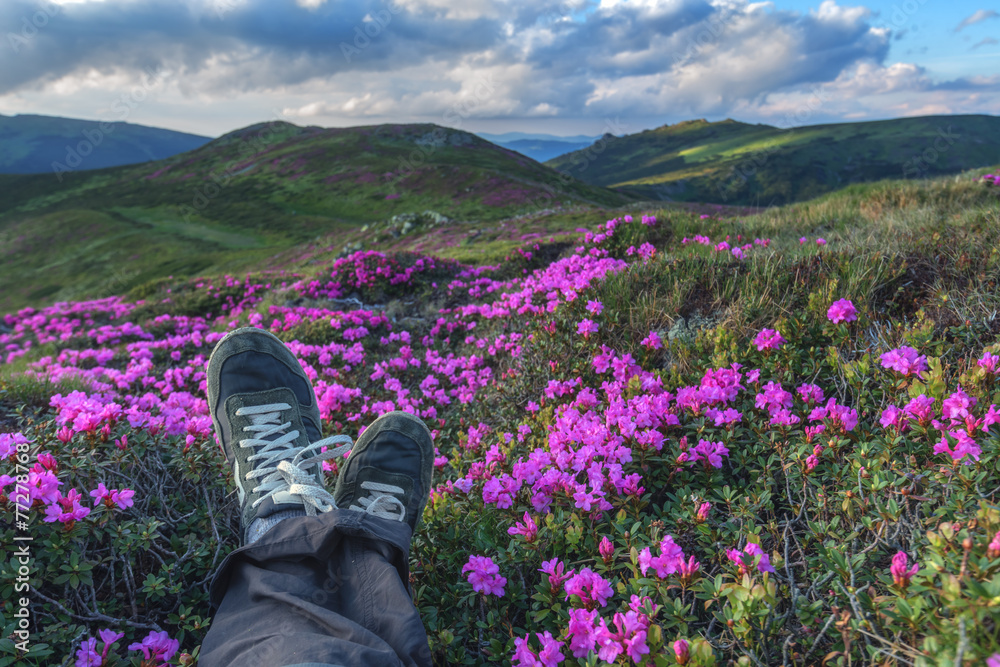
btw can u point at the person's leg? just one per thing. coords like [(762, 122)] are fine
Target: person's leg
[(328, 589), (322, 579)]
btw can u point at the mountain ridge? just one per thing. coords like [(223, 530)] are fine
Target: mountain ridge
[(37, 144), (732, 162)]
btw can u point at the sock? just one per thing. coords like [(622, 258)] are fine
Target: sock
[(263, 524)]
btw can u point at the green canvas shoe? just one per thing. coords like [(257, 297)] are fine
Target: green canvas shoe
[(265, 415), (389, 471)]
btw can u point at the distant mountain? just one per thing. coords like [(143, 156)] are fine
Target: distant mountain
[(737, 163), (48, 144), (542, 150), (517, 136), (238, 201), (540, 147)]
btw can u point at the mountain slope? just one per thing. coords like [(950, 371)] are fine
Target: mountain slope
[(250, 195), (32, 144), (737, 163)]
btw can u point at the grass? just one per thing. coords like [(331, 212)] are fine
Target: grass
[(248, 198), (919, 260)]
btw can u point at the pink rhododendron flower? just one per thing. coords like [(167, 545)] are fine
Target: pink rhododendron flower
[(839, 417), (688, 569), (993, 551), (905, 360), (709, 453), (87, 656), (109, 637), (548, 656), (703, 511), (900, 574), (595, 307), (990, 363), (810, 393), (769, 339), (842, 311), (668, 562), (66, 509), (484, 575), (587, 327), (773, 396), (581, 633), (590, 587), (556, 570), (652, 341), (964, 446), (957, 406), (157, 646), (528, 529), (921, 409), (751, 549), (9, 443), (894, 417)]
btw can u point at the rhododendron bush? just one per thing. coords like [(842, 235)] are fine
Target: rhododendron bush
[(808, 475)]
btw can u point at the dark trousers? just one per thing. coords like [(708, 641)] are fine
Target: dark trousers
[(323, 591)]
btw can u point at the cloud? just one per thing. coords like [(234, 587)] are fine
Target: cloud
[(980, 15), (455, 62), (985, 41)]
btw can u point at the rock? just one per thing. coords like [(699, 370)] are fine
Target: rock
[(685, 329), (351, 248)]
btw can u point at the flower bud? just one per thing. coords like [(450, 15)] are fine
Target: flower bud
[(681, 651), (606, 549)]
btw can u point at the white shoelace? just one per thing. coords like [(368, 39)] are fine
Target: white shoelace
[(289, 474), (381, 505)]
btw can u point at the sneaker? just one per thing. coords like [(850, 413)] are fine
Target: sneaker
[(388, 473), (268, 423)]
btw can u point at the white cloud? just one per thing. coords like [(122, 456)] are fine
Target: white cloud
[(459, 62), (977, 17)]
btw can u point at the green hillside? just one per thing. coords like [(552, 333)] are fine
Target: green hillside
[(31, 144), (737, 163), (242, 200)]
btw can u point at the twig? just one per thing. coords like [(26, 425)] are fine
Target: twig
[(97, 616)]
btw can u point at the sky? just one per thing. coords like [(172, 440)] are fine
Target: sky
[(561, 67)]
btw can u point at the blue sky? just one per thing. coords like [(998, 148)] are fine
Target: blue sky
[(557, 66)]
